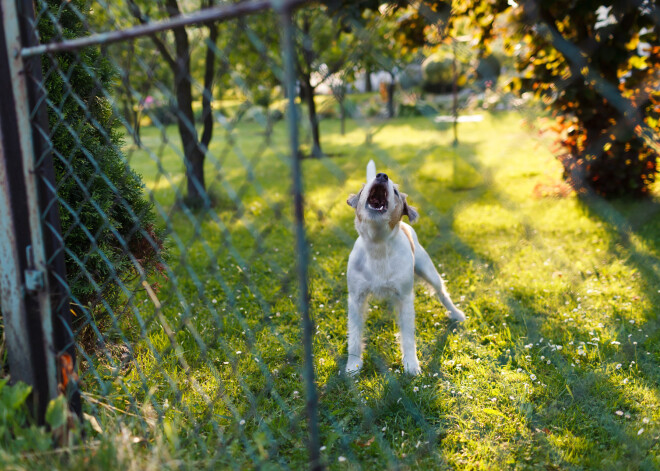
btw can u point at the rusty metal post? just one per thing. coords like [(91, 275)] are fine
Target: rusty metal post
[(34, 292)]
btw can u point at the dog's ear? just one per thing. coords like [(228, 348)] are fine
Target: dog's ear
[(408, 210), (354, 199)]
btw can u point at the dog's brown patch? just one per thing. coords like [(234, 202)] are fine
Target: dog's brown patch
[(406, 231), (396, 214)]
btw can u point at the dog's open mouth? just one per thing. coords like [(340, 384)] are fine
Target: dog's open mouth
[(377, 200)]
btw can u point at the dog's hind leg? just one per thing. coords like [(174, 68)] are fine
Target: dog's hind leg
[(424, 269), (356, 305), (406, 310)]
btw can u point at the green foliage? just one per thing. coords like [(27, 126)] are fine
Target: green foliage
[(438, 72), (106, 219), (488, 69), (588, 63), (17, 432), (57, 412)]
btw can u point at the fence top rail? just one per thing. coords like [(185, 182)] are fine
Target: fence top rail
[(207, 15)]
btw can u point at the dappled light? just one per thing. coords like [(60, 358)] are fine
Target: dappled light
[(177, 234)]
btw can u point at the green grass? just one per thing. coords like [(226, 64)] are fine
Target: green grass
[(557, 366)]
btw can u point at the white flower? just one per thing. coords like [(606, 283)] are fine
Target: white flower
[(415, 389), (532, 377), (242, 422), (619, 413), (341, 459), (618, 366), (640, 431)]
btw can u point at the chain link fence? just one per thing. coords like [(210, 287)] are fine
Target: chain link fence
[(184, 249)]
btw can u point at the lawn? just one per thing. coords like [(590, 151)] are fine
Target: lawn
[(556, 367)]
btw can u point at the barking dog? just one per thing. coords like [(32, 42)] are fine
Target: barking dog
[(384, 261)]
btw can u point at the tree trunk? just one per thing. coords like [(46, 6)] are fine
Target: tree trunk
[(368, 86), (342, 116), (308, 95), (180, 65), (193, 154), (390, 97), (306, 88), (207, 96), (269, 124)]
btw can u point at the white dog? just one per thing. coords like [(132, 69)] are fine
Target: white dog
[(384, 260)]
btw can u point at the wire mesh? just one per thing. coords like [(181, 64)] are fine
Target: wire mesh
[(192, 280)]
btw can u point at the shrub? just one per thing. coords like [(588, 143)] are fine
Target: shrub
[(438, 73), (106, 219), (488, 69), (165, 114)]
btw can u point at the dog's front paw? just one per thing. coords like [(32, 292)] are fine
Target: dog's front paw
[(457, 315), (411, 366), (353, 365)]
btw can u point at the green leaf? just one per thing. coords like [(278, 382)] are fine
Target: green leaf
[(15, 395), (56, 412)]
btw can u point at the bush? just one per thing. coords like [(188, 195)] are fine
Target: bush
[(276, 115), (106, 219), (438, 73), (165, 114), (488, 69), (416, 109)]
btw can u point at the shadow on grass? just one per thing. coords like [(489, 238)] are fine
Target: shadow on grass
[(585, 394), (591, 394)]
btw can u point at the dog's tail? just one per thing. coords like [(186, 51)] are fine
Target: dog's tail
[(371, 171)]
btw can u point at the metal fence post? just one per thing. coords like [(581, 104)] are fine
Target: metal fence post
[(35, 303), (288, 51)]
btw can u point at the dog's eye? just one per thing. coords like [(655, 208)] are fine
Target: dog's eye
[(396, 192)]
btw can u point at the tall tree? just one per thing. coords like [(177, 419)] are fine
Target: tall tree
[(195, 145), (326, 46)]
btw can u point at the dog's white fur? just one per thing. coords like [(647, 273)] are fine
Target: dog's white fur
[(383, 263)]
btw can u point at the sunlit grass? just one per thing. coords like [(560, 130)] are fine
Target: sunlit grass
[(556, 367)]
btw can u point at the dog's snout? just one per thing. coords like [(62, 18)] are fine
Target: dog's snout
[(381, 177)]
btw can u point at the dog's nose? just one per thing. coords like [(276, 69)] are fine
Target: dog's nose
[(381, 177)]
